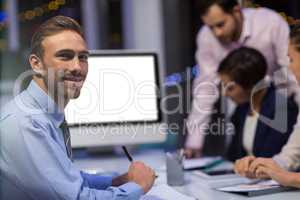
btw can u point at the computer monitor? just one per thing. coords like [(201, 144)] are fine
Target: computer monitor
[(119, 102)]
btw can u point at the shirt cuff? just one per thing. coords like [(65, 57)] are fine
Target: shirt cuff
[(194, 141), (97, 181), (134, 190)]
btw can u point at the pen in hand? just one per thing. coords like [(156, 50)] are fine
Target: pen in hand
[(129, 156)]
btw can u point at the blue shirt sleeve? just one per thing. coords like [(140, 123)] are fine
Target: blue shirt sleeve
[(36, 164), (96, 181)]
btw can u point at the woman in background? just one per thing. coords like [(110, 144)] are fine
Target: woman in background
[(289, 158), (241, 73)]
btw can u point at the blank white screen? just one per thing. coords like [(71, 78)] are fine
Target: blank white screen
[(118, 88)]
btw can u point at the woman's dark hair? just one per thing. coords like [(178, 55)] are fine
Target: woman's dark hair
[(226, 5), (295, 36), (245, 66)]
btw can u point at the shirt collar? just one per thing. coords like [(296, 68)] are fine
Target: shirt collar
[(46, 103), (246, 32)]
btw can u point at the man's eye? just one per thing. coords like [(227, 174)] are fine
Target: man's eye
[(83, 57), (66, 56)]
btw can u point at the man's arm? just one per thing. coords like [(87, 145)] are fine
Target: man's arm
[(280, 40), (42, 169), (103, 182), (97, 182), (205, 91)]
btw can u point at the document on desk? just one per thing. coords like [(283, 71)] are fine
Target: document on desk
[(200, 163), (256, 188), (165, 192)]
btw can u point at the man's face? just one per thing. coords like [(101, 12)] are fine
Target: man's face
[(233, 90), (225, 26), (294, 56), (65, 61)]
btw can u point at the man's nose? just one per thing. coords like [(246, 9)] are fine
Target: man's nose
[(75, 65)]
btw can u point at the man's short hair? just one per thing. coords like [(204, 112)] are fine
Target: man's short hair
[(226, 5), (51, 27), (245, 66)]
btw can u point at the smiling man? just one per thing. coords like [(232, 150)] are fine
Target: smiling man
[(35, 152), (60, 61)]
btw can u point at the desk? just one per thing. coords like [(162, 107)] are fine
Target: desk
[(196, 186)]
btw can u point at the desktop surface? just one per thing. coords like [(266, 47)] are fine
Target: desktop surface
[(195, 185)]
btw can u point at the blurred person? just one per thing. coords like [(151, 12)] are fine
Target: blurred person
[(227, 27), (36, 157), (241, 72), (281, 167)]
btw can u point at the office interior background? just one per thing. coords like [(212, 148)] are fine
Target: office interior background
[(168, 27)]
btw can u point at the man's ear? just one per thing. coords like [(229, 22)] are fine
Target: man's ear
[(36, 65)]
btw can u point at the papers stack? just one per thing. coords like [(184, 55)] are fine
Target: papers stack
[(257, 188), (165, 192)]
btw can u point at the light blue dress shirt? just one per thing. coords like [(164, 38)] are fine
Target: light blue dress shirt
[(33, 158)]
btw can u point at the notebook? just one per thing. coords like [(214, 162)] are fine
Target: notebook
[(201, 163)]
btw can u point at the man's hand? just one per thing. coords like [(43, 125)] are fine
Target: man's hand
[(192, 153), (142, 175), (242, 166)]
